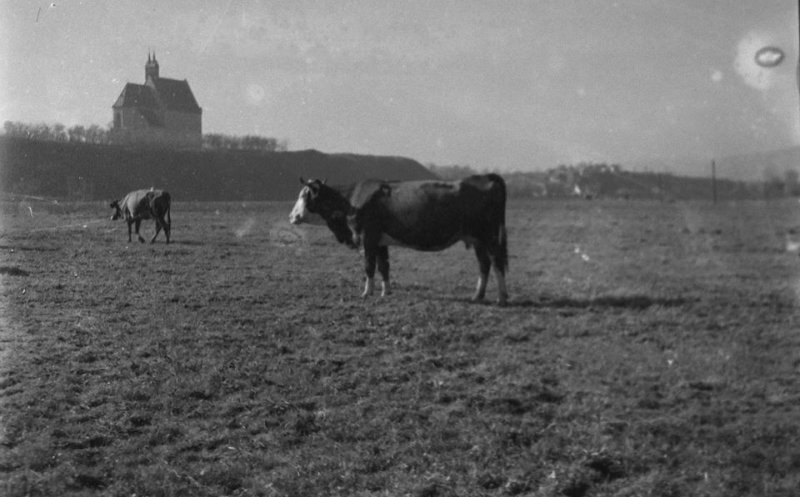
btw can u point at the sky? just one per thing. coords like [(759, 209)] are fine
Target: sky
[(512, 85)]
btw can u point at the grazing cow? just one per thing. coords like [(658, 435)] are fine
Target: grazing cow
[(423, 215), (144, 204)]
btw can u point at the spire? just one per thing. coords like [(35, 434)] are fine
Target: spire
[(151, 68)]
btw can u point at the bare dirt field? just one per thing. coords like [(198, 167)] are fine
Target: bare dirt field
[(648, 349)]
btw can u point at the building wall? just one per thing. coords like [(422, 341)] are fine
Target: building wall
[(158, 137), (183, 122), (180, 130), (128, 118)]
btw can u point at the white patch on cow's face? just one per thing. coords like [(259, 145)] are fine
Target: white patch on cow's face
[(300, 213)]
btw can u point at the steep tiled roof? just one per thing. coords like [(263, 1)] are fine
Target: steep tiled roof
[(137, 96), (172, 94), (176, 95)]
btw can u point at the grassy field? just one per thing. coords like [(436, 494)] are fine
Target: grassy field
[(648, 350)]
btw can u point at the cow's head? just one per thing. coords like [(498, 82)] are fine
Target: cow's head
[(318, 203), (306, 209), (117, 210)]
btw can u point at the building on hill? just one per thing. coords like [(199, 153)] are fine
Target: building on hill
[(160, 112)]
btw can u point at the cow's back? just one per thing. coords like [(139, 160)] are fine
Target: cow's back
[(145, 204), (443, 205)]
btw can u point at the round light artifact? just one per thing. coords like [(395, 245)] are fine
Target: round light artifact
[(769, 56)]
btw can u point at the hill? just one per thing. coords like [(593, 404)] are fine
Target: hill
[(99, 172)]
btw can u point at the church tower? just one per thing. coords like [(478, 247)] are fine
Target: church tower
[(151, 68)]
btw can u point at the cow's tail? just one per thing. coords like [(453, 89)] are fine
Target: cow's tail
[(498, 209), (168, 198)]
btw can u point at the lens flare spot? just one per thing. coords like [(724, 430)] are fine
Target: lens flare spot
[(769, 56), (255, 94)]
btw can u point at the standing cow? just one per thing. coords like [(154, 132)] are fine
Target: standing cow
[(144, 204), (423, 215)]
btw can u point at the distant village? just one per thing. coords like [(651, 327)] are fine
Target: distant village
[(610, 181)]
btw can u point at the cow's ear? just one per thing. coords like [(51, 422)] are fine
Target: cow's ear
[(325, 181), (302, 181)]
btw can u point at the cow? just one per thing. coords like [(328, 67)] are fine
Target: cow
[(144, 204), (422, 215)]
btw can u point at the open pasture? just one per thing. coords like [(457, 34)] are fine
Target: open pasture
[(648, 349)]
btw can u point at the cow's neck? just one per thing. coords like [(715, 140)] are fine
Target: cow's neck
[(335, 216), (337, 207)]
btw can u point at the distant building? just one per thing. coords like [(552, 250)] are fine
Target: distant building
[(160, 112)]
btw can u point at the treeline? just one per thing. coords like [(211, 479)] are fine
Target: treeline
[(57, 132), (100, 135)]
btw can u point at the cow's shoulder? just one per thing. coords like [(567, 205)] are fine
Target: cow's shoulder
[(137, 196), (368, 190)]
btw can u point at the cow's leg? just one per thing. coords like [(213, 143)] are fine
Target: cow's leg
[(502, 292), (167, 227), (370, 256), (383, 268), (129, 230), (158, 229), (499, 255), (138, 223), (484, 264), (499, 265)]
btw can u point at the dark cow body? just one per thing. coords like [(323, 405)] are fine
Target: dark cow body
[(423, 215), (144, 204)]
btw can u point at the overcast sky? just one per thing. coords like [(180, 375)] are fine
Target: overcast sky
[(504, 85)]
